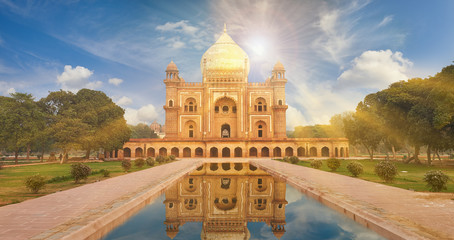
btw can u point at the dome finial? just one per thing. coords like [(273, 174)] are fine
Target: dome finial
[(225, 27)]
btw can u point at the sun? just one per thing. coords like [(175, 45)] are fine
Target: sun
[(259, 46)]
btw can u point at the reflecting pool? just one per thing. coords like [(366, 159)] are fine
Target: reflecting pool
[(237, 201)]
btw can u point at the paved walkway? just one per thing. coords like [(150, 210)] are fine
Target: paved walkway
[(415, 215), (53, 216)]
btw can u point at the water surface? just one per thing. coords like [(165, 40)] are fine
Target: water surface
[(237, 202)]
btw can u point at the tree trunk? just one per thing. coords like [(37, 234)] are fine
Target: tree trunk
[(42, 155), (394, 152), (371, 153), (64, 158), (429, 159), (28, 152), (16, 154), (87, 154), (439, 158), (417, 148)]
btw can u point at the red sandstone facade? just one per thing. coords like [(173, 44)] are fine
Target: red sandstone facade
[(226, 116)]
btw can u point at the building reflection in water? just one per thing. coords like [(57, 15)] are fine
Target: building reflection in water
[(225, 197)]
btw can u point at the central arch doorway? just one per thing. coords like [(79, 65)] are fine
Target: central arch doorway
[(225, 131)]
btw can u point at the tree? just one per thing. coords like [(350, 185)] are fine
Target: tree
[(362, 128), (142, 130), (98, 112), (87, 120), (21, 119), (114, 135)]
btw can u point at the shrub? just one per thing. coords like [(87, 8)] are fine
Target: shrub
[(150, 161), (294, 159), (316, 164), (172, 157), (436, 180), (35, 183), (105, 172), (160, 159), (285, 159), (355, 168), (126, 165), (80, 171), (166, 159), (386, 170), (333, 164), (139, 162)]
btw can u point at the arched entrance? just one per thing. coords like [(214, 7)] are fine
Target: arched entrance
[(301, 152), (277, 152), (150, 152), (313, 152), (213, 152), (226, 152), (265, 152), (253, 152), (186, 152), (199, 152), (175, 152), (238, 152), (289, 152), (139, 152), (325, 152), (342, 152), (225, 131), (163, 151), (127, 152), (336, 152)]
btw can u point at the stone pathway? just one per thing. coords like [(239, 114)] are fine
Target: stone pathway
[(411, 214), (47, 216)]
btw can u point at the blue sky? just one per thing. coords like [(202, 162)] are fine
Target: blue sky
[(335, 52)]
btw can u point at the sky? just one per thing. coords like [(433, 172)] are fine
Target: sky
[(334, 52)]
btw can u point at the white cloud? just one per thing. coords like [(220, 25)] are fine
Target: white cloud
[(73, 79), (115, 81), (385, 21), (375, 70), (145, 114), (6, 89), (181, 26), (295, 118), (124, 101)]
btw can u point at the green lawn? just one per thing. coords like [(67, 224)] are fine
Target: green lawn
[(12, 188), (412, 179)]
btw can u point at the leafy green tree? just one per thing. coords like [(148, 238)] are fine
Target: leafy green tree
[(361, 128), (97, 111), (142, 130), (20, 118)]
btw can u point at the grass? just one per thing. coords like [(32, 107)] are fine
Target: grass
[(412, 179), (12, 188)]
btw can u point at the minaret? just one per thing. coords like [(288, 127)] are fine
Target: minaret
[(172, 81), (172, 223), (279, 202), (279, 107)]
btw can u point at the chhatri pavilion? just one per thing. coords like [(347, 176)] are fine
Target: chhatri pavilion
[(227, 116)]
